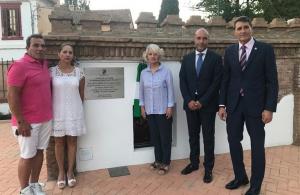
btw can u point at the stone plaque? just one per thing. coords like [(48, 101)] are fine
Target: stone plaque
[(104, 83)]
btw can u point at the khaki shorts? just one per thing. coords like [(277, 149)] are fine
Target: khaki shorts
[(39, 139)]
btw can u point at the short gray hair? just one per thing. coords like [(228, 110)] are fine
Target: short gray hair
[(153, 48)]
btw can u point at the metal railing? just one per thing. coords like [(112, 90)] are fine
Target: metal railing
[(3, 88)]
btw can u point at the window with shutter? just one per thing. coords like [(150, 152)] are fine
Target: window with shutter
[(11, 21)]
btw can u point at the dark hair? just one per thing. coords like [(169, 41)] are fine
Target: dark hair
[(242, 19), (73, 62), (36, 36), (65, 44)]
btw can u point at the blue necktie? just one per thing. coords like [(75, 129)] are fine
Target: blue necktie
[(199, 63)]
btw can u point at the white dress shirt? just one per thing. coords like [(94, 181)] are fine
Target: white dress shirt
[(197, 56), (249, 46)]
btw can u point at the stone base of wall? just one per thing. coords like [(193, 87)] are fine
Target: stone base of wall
[(52, 168), (3, 100), (296, 134)]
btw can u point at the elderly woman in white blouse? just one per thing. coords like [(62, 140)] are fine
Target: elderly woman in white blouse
[(157, 102)]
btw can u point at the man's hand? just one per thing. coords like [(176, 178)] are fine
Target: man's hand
[(13, 97), (266, 116), (192, 105), (222, 113), (169, 113), (143, 112), (198, 105), (24, 129)]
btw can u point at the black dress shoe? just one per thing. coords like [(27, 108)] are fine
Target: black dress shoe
[(207, 176), (188, 169), (253, 191), (234, 184)]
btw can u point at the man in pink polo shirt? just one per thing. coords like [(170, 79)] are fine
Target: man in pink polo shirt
[(29, 99)]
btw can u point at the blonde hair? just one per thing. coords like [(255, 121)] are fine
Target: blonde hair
[(153, 48)]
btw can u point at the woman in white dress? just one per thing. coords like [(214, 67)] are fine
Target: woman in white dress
[(68, 119)]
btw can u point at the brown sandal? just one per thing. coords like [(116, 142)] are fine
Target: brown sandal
[(154, 165), (163, 169)]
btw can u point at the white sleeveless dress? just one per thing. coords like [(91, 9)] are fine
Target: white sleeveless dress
[(68, 116)]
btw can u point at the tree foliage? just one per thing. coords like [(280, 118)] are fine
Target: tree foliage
[(285, 9), (79, 4), (267, 9), (168, 7)]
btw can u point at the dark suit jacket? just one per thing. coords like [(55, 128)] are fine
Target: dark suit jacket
[(258, 81), (206, 84)]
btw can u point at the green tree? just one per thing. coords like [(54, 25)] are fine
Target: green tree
[(79, 4), (285, 9), (227, 8), (71, 2), (168, 7), (268, 9)]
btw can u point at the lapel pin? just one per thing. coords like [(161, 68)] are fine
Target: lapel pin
[(255, 48)]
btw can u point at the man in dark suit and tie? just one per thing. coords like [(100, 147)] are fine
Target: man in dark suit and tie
[(248, 94), (200, 77)]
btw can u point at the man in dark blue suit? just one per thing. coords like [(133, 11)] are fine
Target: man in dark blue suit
[(200, 77), (248, 94)]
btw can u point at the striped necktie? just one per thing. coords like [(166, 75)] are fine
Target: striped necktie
[(243, 58)]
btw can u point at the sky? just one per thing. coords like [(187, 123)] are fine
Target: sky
[(137, 6)]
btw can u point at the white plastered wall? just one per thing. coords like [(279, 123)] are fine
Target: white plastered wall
[(109, 140)]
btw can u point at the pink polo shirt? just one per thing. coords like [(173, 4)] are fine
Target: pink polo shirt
[(33, 77)]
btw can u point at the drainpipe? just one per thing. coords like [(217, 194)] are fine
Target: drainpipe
[(32, 14)]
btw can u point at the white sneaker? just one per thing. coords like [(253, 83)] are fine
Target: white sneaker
[(37, 189), (27, 191)]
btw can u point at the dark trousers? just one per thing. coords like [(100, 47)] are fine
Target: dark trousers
[(161, 137), (255, 127), (196, 119)]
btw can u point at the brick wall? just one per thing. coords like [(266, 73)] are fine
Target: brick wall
[(176, 38), (296, 134)]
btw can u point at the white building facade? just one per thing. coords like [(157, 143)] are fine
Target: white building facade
[(19, 19)]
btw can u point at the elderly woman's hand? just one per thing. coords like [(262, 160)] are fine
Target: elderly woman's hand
[(169, 113)]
